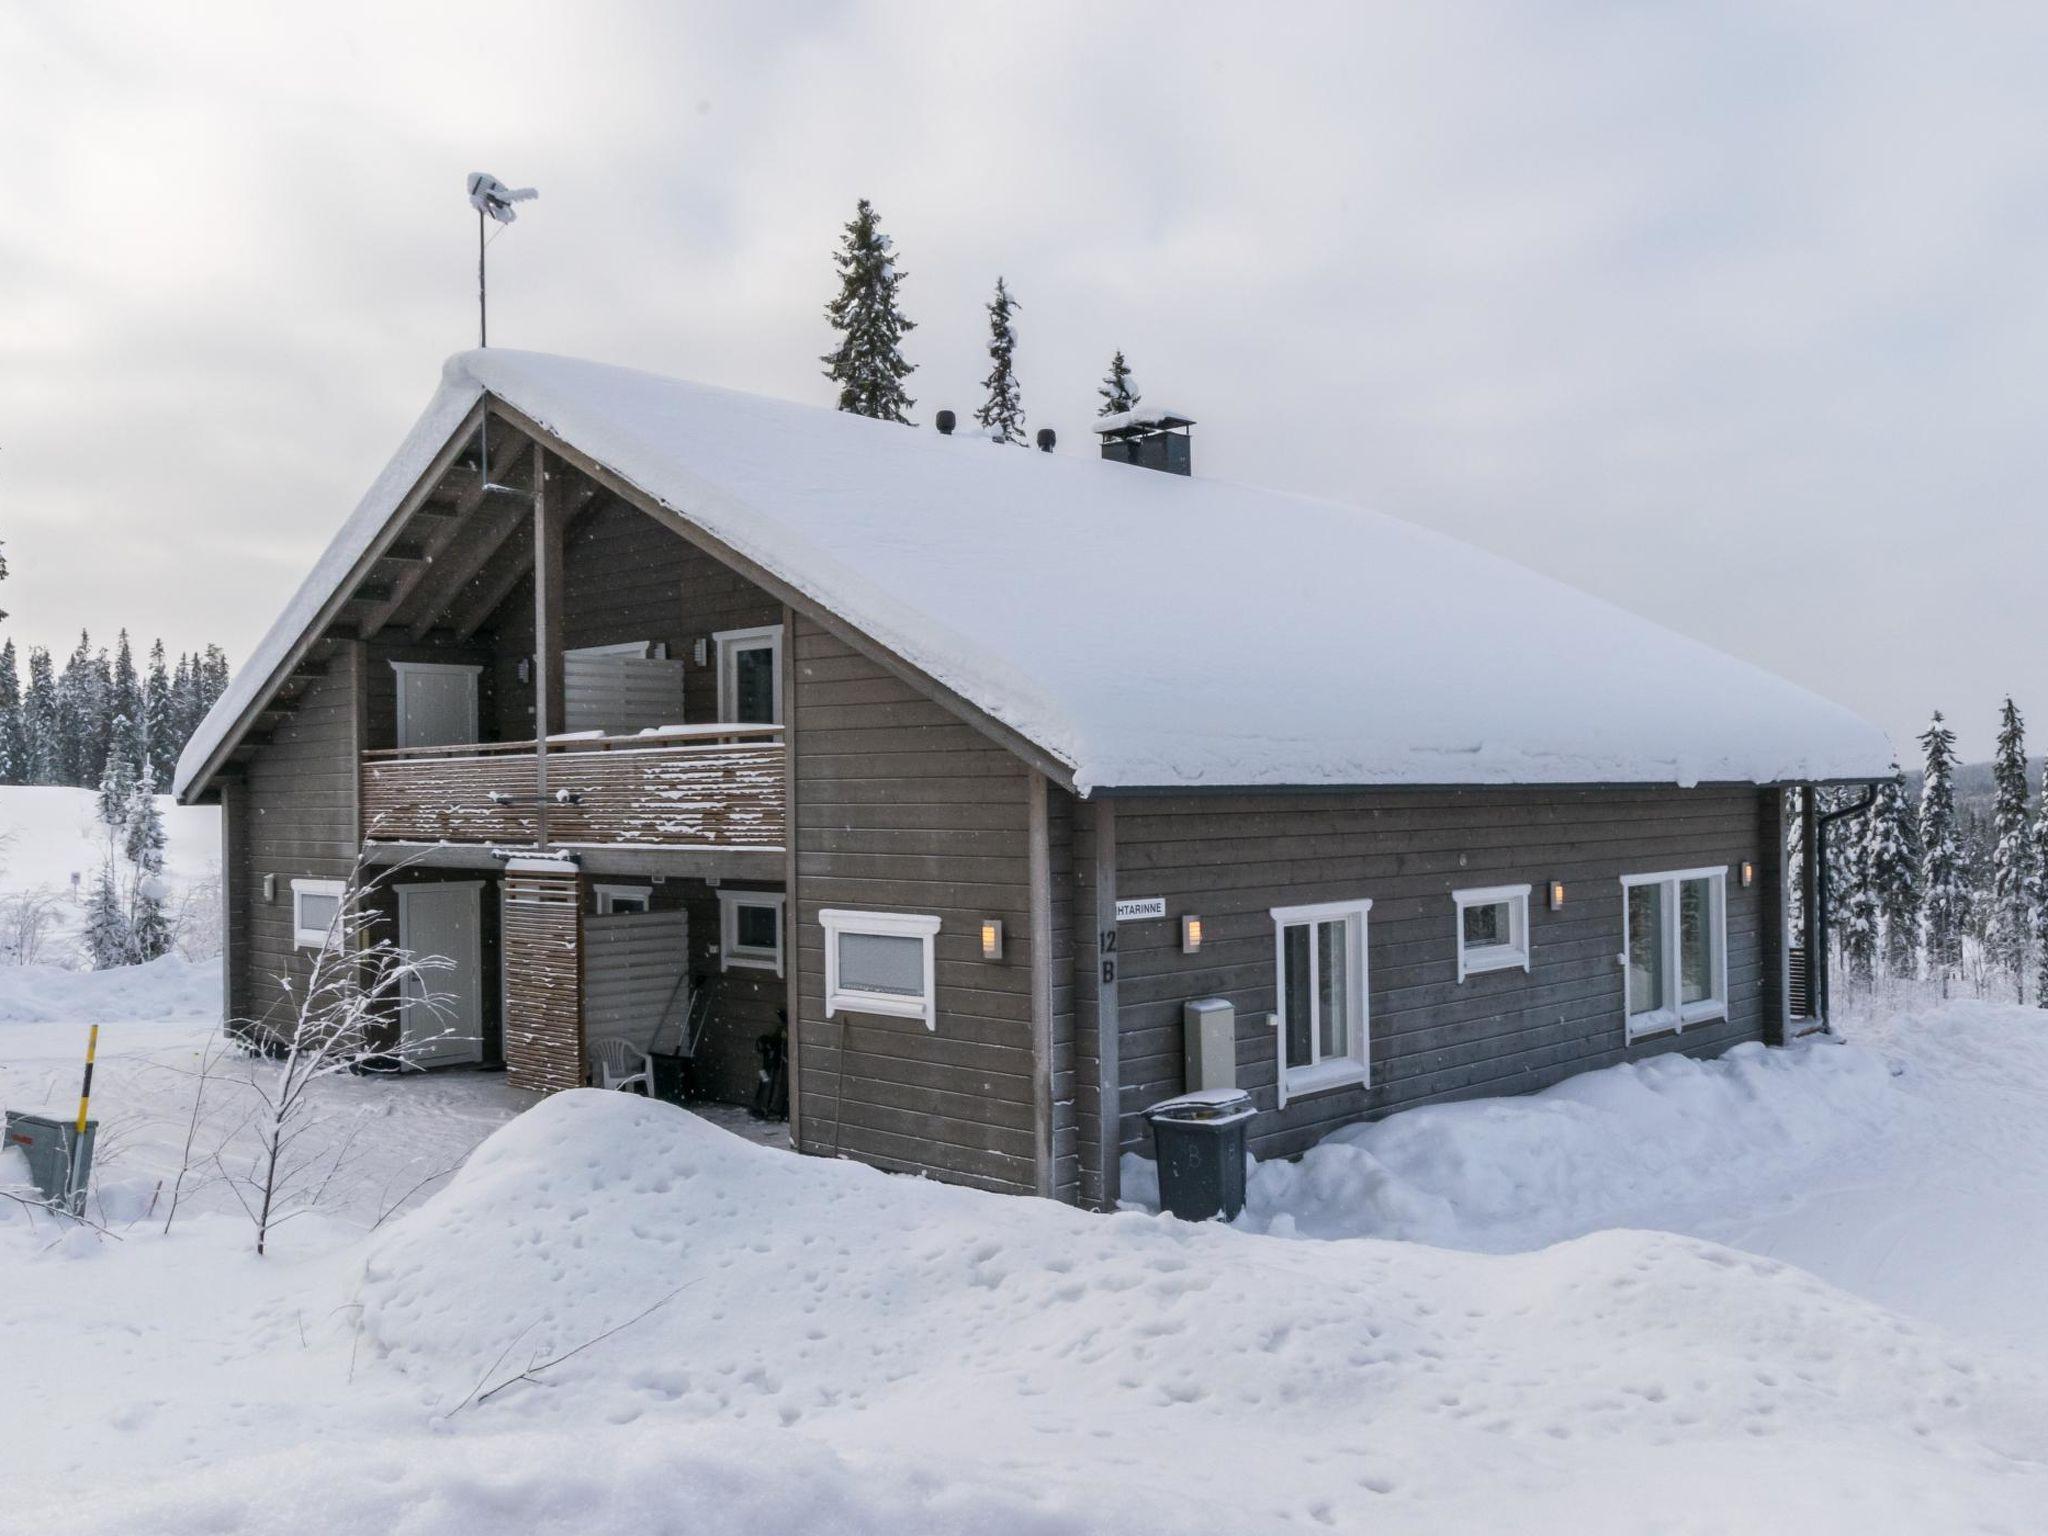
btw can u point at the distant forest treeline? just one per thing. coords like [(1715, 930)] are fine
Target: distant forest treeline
[(64, 726)]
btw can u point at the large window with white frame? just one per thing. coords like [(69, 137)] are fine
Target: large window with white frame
[(749, 675), (1319, 957), (1493, 929), (880, 962), (750, 930), (316, 912), (1675, 949)]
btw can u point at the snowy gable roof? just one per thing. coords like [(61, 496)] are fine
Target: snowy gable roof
[(1148, 629)]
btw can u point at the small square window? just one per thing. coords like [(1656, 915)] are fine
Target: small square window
[(316, 912), (1493, 929), (613, 900), (880, 962), (750, 930)]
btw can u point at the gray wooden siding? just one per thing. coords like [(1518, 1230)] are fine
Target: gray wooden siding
[(1231, 859), (901, 807), (296, 819), (628, 578)]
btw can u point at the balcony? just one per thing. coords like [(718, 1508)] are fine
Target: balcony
[(718, 787)]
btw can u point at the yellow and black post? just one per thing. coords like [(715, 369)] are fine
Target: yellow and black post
[(78, 1164)]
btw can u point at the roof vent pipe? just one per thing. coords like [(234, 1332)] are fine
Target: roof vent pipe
[(944, 422), (1046, 438)]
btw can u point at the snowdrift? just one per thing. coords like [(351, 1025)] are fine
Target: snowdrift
[(170, 989), (1633, 1144), (1192, 1377)]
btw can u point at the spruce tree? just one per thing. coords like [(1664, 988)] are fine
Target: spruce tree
[(1944, 893), (1003, 412), (124, 705), (1119, 390), (2009, 929), (142, 845), (159, 730), (1891, 862), (1860, 928), (2037, 897), (108, 939), (41, 720), (14, 765), (868, 364)]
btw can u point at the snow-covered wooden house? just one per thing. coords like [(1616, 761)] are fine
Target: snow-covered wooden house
[(983, 764)]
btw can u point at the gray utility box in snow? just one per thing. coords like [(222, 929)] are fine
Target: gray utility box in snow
[(47, 1140), (1209, 1032)]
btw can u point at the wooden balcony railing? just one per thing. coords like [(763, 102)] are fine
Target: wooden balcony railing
[(700, 786)]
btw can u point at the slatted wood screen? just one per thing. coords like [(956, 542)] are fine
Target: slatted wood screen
[(1799, 983), (634, 970), (543, 941), (620, 694)]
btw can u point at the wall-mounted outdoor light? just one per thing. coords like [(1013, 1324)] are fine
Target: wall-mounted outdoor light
[(1190, 934), (270, 887), (991, 938), (1748, 874), (1557, 895)]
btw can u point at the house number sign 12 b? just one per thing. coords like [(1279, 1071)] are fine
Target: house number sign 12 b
[(1138, 908)]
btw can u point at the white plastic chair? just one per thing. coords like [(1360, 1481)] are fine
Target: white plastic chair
[(615, 1063)]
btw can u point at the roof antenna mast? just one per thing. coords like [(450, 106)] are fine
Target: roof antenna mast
[(491, 199)]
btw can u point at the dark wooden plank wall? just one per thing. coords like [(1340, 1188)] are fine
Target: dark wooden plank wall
[(1231, 859), (1066, 1125), (296, 819), (628, 578), (901, 807)]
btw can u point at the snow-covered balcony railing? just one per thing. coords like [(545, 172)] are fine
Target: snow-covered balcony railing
[(698, 786)]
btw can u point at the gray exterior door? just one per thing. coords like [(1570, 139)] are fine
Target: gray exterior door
[(441, 1016), (436, 704)]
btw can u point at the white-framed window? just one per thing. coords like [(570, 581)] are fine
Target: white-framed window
[(316, 911), (1493, 929), (880, 962), (750, 930), (613, 899), (749, 675), (1674, 955), (1322, 1024)]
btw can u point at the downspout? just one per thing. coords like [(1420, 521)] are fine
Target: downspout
[(1818, 919)]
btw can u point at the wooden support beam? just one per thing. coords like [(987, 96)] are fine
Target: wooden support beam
[(1108, 1041), (501, 578), (442, 537), (548, 696), (494, 524)]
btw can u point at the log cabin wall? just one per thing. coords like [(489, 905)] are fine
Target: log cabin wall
[(1231, 858), (294, 816), (901, 807)]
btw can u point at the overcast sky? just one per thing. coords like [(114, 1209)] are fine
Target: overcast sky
[(1733, 315)]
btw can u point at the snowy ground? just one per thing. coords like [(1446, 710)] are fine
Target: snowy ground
[(831, 1349)]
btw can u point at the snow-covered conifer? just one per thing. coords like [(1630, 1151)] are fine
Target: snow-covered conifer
[(2009, 926), (108, 940), (14, 764), (1944, 893), (1891, 864), (1003, 412), (161, 741), (40, 720), (1119, 390), (868, 364)]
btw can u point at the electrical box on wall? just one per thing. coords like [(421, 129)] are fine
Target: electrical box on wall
[(1209, 1032)]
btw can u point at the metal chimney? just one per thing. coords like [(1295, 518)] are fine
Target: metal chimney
[(1148, 437)]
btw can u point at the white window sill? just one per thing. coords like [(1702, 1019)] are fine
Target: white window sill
[(881, 1003), (1503, 960), (1324, 1077), (1664, 1022)]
